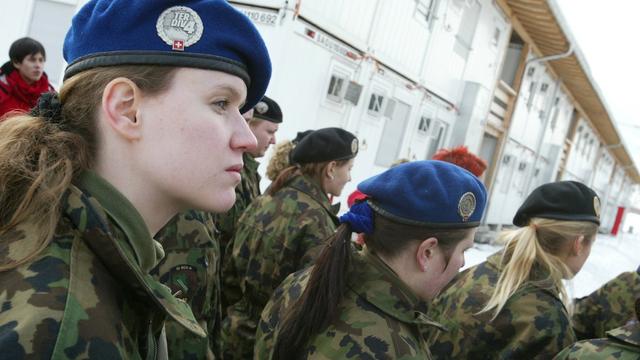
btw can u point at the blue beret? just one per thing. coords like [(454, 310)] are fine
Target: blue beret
[(204, 34), (427, 193)]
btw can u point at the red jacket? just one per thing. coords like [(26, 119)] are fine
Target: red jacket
[(16, 94)]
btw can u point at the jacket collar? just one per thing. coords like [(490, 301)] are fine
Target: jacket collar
[(89, 216), (538, 278), (308, 186), (373, 280), (148, 252), (250, 163), (630, 333)]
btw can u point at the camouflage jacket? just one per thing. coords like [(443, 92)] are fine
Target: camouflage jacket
[(607, 308), (88, 293), (379, 317), (622, 343), (246, 192), (191, 269), (534, 322), (276, 236)]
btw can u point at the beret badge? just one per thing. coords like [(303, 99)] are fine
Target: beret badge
[(180, 27), (354, 146), (261, 108), (466, 206), (596, 205)]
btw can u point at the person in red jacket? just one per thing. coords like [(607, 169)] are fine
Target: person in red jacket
[(22, 78)]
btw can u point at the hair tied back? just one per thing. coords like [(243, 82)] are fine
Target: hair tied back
[(49, 107)]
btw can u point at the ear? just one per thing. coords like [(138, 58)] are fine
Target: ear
[(120, 102), (426, 252), (330, 170), (578, 245)]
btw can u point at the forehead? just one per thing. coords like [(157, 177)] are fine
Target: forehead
[(209, 81)]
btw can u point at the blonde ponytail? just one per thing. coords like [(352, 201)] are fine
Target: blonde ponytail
[(536, 247), (280, 159)]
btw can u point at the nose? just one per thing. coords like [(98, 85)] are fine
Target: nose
[(242, 138), (273, 140)]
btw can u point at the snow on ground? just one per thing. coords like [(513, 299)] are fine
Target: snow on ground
[(609, 257)]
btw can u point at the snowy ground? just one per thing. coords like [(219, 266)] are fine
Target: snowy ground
[(609, 257)]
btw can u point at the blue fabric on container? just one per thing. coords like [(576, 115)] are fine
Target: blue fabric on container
[(360, 217)]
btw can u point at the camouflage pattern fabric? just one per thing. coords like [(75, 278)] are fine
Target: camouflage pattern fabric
[(379, 317), (246, 192), (191, 269), (622, 343), (276, 236), (88, 293), (534, 323), (607, 308)]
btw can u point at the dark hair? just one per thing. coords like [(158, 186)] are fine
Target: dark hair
[(24, 47), (317, 307)]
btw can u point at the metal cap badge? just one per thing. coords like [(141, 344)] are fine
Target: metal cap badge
[(180, 27), (466, 206)]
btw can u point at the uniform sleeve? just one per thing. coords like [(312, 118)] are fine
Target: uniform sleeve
[(190, 270), (539, 324), (607, 308)]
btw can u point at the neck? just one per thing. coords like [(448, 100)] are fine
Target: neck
[(154, 208)]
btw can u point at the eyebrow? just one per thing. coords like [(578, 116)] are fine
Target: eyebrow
[(233, 92)]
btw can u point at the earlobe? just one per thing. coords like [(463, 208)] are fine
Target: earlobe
[(120, 104)]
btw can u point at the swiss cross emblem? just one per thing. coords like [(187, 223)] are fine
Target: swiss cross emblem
[(178, 45)]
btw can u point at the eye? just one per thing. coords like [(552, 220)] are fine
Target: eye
[(221, 104)]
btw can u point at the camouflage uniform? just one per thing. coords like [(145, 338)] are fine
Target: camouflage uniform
[(379, 317), (88, 293), (276, 236), (191, 269), (246, 192), (621, 343), (607, 308), (534, 322)]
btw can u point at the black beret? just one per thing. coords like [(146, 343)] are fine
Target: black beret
[(267, 109), (562, 200), (300, 135), (328, 144)]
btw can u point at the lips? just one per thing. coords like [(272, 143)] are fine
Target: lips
[(234, 168)]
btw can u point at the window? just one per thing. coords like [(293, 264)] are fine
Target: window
[(438, 135), (376, 102), (423, 125), (467, 28), (496, 36), (532, 94), (336, 88), (424, 10)]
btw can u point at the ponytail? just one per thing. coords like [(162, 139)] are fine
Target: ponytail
[(280, 159), (318, 305), (536, 247)]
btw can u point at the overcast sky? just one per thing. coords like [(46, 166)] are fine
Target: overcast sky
[(607, 33)]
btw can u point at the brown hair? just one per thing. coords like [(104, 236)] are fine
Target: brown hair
[(312, 170), (317, 307), (537, 245), (40, 158)]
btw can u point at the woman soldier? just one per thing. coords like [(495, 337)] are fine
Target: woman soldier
[(418, 219), (512, 306), (153, 88), (281, 232)]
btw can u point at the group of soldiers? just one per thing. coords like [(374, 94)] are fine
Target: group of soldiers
[(148, 125), (201, 250)]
